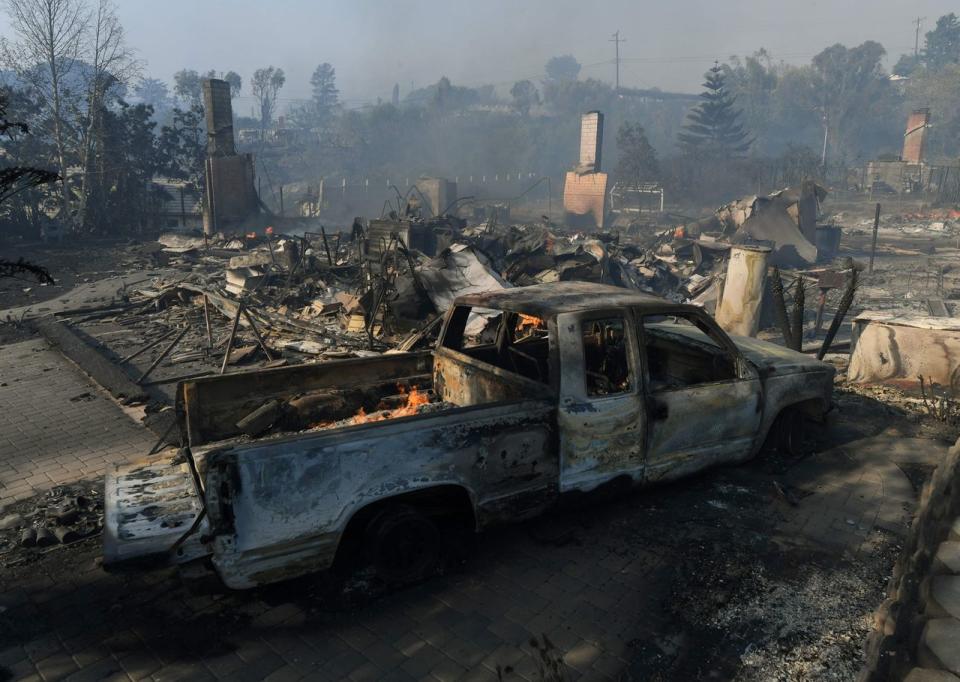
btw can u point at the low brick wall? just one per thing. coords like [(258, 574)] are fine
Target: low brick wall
[(899, 621)]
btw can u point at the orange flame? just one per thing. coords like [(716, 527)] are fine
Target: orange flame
[(414, 400), (529, 323)]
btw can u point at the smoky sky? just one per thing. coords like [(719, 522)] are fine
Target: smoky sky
[(376, 43)]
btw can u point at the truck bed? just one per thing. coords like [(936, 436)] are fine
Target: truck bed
[(290, 497), (212, 409)]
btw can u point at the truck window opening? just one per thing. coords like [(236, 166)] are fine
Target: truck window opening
[(680, 353), (606, 364), (515, 342)]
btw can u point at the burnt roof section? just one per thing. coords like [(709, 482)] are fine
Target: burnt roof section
[(565, 297)]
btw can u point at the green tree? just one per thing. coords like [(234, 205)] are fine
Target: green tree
[(562, 68), (524, 95), (637, 160), (266, 83), (130, 157), (907, 64), (235, 81), (49, 40), (847, 87), (943, 43), (232, 77), (184, 142), (713, 129), (187, 86), (753, 81), (154, 92), (23, 186), (323, 85)]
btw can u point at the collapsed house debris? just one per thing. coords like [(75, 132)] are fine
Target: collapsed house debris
[(785, 220), (64, 515), (236, 300)]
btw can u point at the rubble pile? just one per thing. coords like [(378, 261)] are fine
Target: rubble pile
[(61, 516), (944, 222), (225, 301)]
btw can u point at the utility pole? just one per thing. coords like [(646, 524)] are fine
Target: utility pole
[(616, 40), (916, 37), (823, 155)]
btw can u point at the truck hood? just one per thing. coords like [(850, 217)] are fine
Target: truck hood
[(769, 358)]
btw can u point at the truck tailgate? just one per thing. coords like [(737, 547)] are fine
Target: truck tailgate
[(148, 506)]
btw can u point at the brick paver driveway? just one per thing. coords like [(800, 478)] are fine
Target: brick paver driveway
[(55, 426), (664, 584)]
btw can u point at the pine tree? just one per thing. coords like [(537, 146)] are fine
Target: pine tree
[(326, 96), (713, 128)]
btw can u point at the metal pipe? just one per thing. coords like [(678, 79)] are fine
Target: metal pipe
[(256, 333), (841, 312), (780, 306), (326, 246), (150, 345), (233, 335), (873, 247), (164, 354), (821, 303), (206, 321), (177, 379), (797, 331), (273, 258)]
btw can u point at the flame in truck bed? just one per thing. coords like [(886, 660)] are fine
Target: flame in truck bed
[(415, 399)]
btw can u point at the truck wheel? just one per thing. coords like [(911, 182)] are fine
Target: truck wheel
[(403, 545), (789, 431)]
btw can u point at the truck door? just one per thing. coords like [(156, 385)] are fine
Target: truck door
[(600, 412), (704, 400)]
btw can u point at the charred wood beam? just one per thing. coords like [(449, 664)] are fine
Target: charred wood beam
[(797, 331), (233, 335), (845, 303), (780, 307), (144, 349), (165, 353)]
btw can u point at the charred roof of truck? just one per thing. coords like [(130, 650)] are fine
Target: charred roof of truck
[(547, 300)]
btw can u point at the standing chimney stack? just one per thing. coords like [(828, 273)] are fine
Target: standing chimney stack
[(915, 136), (219, 116), (591, 142)]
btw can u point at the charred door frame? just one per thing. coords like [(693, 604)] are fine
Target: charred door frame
[(601, 437), (661, 465)]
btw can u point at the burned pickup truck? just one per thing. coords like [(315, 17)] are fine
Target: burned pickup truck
[(532, 395)]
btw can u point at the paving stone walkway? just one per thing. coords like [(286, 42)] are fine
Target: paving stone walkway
[(56, 427), (598, 583)]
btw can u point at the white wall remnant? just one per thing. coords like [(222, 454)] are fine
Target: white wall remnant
[(739, 310)]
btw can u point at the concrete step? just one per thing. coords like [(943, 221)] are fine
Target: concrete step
[(944, 598), (940, 645), (947, 559), (930, 675)]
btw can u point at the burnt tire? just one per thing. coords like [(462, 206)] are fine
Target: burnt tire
[(787, 432), (403, 545)]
